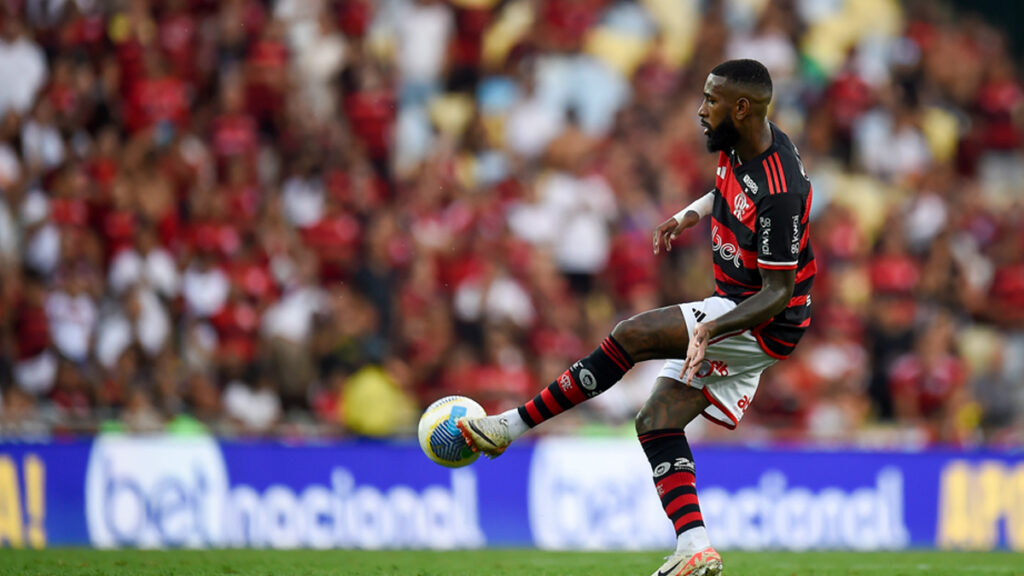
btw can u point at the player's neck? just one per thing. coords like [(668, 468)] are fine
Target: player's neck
[(754, 143)]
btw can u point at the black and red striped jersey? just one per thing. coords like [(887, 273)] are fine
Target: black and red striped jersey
[(760, 220)]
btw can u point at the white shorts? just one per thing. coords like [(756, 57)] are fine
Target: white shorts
[(732, 365)]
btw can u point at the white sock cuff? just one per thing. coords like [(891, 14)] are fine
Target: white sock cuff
[(693, 540), (516, 425)]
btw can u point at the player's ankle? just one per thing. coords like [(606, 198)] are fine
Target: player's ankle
[(692, 541), (516, 425)]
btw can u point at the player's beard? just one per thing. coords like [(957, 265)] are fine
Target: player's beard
[(723, 137)]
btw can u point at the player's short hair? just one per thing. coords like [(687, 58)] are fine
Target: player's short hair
[(749, 72)]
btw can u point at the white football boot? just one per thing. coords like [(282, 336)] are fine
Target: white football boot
[(489, 434), (707, 562)]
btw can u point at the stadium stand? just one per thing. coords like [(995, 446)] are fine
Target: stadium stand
[(312, 218)]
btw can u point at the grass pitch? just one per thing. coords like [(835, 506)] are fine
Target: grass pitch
[(77, 562)]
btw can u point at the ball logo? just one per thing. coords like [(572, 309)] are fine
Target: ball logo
[(662, 468), (587, 379), (154, 492)]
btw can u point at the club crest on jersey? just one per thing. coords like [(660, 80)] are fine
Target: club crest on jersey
[(751, 185), (740, 205)]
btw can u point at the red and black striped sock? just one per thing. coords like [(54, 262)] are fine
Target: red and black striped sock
[(674, 476), (585, 379)]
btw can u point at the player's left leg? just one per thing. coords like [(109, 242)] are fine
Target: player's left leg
[(660, 427), (659, 333)]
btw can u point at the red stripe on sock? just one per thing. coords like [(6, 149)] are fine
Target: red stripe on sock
[(550, 402), (534, 413), (684, 500), (645, 438), (609, 352), (615, 349), (674, 481), (686, 519)]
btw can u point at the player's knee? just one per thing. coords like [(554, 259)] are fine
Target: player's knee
[(645, 421), (627, 333)]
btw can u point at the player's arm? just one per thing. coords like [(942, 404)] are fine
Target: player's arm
[(688, 217), (776, 291)]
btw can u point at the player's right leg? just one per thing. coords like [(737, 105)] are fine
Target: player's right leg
[(659, 333), (660, 429)]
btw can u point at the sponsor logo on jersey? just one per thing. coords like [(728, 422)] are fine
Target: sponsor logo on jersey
[(751, 185), (726, 250), (794, 249), (766, 232), (740, 206)]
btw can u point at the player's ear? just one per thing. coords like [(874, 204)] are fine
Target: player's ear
[(742, 108)]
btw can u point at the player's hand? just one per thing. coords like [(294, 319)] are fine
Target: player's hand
[(668, 230), (695, 352)]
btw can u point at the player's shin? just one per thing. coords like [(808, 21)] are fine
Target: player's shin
[(675, 479), (583, 380)]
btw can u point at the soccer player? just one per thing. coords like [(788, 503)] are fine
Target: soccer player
[(764, 268)]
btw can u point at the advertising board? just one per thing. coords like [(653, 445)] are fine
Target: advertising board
[(555, 493)]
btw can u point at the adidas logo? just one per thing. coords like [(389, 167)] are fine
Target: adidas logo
[(699, 315)]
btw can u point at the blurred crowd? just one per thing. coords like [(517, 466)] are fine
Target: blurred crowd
[(315, 217)]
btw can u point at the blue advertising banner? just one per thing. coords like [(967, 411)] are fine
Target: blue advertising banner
[(556, 493)]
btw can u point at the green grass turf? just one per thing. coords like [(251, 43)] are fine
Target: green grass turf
[(490, 563)]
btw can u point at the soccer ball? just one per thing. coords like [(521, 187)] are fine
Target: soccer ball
[(440, 439)]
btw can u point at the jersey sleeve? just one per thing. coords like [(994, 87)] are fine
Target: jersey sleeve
[(779, 231)]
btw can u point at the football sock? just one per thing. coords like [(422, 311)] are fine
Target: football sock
[(585, 379), (516, 425), (675, 479)]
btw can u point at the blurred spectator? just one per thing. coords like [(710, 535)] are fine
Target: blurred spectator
[(928, 385), (21, 58), (288, 329), (374, 403), (292, 217)]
